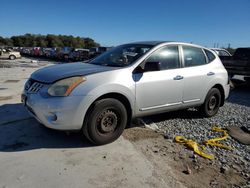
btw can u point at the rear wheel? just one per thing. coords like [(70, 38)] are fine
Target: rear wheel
[(12, 57), (105, 121), (212, 103)]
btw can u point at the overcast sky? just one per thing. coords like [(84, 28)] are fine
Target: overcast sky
[(112, 22)]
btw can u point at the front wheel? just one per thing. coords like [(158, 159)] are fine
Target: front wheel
[(212, 103), (106, 121)]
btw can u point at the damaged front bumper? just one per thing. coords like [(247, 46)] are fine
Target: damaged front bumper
[(61, 113)]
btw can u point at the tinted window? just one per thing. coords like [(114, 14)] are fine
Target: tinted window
[(210, 55), (167, 56), (193, 56)]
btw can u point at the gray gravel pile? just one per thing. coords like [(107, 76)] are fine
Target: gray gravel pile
[(191, 125)]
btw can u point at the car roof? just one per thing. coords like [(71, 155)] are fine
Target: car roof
[(153, 43), (156, 43), (218, 49), (159, 43)]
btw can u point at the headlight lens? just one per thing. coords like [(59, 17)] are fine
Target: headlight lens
[(64, 87)]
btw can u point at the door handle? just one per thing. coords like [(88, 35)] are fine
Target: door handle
[(210, 73), (178, 77)]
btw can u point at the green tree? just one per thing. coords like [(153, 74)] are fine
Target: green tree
[(90, 43), (50, 40)]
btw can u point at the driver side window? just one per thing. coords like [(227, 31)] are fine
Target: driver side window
[(167, 56)]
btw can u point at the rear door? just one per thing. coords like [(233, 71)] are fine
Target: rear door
[(196, 75)]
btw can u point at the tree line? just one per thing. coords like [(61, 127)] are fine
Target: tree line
[(49, 40)]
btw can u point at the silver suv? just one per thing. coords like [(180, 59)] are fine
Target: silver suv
[(102, 96)]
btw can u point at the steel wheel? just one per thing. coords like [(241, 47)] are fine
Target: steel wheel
[(106, 121), (212, 103)]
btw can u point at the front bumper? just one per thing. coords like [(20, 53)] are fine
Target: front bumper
[(61, 113)]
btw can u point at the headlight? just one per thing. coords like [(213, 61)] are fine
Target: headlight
[(64, 87)]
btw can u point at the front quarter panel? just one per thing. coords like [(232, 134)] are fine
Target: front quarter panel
[(115, 81)]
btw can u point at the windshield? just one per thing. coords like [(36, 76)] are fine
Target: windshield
[(122, 56)]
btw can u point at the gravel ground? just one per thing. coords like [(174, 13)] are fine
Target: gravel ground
[(25, 62), (189, 124)]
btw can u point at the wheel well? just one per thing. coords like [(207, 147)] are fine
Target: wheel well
[(120, 98), (220, 88)]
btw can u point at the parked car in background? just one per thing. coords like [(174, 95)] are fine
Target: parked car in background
[(46, 52), (25, 51), (79, 54), (64, 53), (9, 54), (222, 53), (36, 51), (101, 97), (95, 51), (239, 63), (53, 53)]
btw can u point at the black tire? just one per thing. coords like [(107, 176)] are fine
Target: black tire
[(105, 121), (212, 103), (12, 57)]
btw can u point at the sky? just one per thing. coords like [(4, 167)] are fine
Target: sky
[(113, 22)]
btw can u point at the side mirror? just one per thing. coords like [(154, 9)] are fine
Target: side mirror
[(152, 66), (138, 70)]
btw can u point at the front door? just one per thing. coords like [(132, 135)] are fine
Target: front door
[(160, 90)]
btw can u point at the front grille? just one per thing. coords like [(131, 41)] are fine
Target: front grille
[(35, 87)]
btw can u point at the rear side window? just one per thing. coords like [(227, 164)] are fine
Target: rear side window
[(193, 56), (210, 55), (168, 57)]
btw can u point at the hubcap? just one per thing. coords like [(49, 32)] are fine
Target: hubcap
[(212, 103), (107, 121)]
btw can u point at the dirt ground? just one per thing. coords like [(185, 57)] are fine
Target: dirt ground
[(174, 160)]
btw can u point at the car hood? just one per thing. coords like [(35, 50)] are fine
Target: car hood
[(53, 73)]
